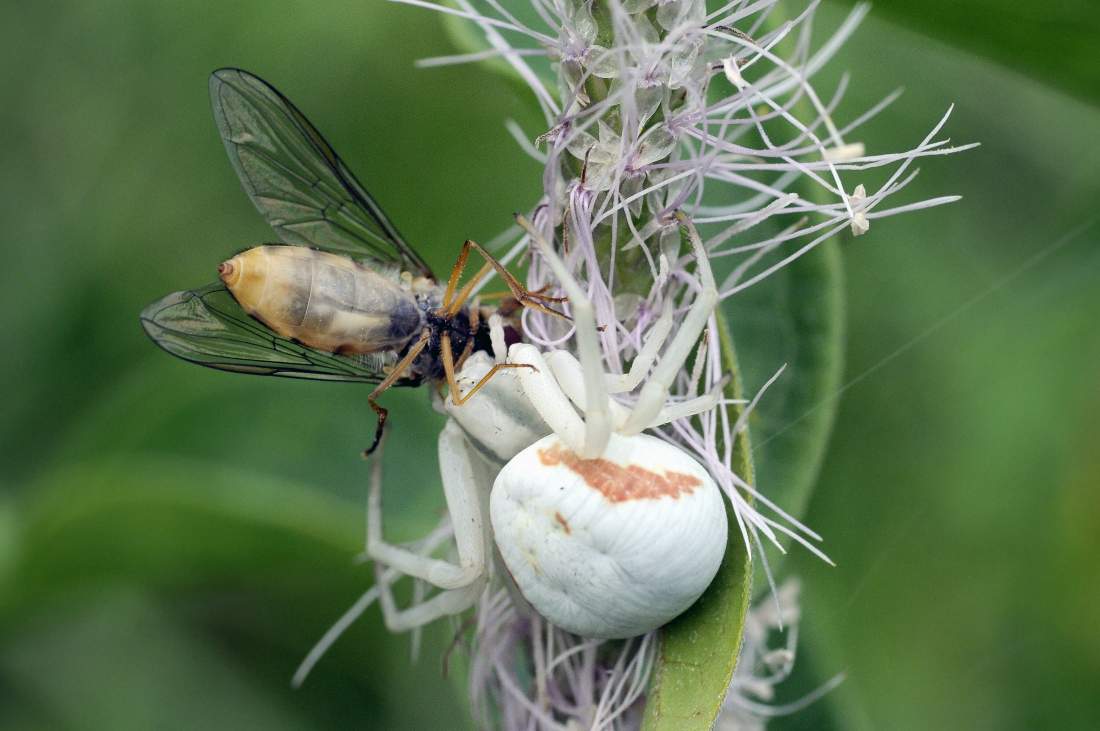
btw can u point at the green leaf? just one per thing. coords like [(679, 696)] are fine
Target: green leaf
[(795, 317), (699, 648), (1052, 42), (468, 38), (170, 523), (71, 663), (135, 588)]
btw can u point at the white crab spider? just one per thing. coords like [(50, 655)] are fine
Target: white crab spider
[(605, 531)]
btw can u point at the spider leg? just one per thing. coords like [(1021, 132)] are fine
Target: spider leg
[(463, 485), (691, 407), (655, 391), (569, 374), (643, 361), (424, 546), (547, 397), (597, 422), (443, 604), (496, 337), (570, 379)]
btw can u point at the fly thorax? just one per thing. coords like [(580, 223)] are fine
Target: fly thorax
[(406, 318), (421, 286)]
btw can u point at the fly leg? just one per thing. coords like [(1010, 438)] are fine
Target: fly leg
[(398, 370), (457, 397), (453, 301), (539, 294), (471, 336), (382, 414), (452, 281)]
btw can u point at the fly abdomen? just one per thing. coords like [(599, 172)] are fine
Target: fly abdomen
[(324, 300)]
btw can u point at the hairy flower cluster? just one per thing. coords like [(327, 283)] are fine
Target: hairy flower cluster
[(528, 674), (654, 108), (761, 666)]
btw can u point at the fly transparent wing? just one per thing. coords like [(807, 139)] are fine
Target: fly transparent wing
[(208, 327), (296, 180)]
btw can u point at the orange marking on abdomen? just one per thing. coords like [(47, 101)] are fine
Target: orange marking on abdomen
[(563, 522), (617, 483)]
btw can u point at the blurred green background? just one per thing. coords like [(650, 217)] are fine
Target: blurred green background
[(173, 540)]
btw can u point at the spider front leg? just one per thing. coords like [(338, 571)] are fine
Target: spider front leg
[(465, 488), (597, 421), (645, 358), (655, 392), (569, 374)]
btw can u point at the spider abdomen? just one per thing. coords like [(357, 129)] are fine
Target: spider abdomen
[(609, 547)]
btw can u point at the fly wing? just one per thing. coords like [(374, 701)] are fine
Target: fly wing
[(296, 180), (208, 327)]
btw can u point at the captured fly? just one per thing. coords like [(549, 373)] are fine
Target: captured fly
[(343, 297)]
